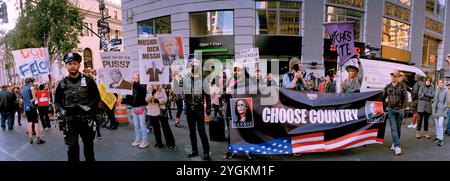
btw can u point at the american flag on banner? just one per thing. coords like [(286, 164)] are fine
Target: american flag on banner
[(276, 146), (315, 142)]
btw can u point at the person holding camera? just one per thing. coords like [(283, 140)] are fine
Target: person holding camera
[(76, 98), (195, 97), (294, 79)]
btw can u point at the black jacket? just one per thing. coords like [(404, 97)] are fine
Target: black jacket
[(138, 97), (7, 101), (196, 93)]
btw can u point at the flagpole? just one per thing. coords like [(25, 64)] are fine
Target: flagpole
[(339, 76)]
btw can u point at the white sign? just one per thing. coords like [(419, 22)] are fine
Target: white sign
[(32, 62), (248, 58), (151, 67), (117, 72)]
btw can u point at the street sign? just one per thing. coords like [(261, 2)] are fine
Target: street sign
[(116, 41)]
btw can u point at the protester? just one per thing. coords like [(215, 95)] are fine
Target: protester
[(448, 114), (43, 97), (440, 102), (415, 98), (156, 110), (294, 79), (195, 101), (355, 76), (7, 106), (18, 105), (137, 102), (331, 86), (177, 85), (30, 111), (426, 94), (395, 96), (324, 84), (215, 97)]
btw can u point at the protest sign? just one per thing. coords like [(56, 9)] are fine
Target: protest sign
[(305, 123), (117, 72), (151, 66), (342, 37), (32, 62), (249, 58), (108, 98)]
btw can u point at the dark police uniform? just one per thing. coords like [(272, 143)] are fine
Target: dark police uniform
[(78, 98)]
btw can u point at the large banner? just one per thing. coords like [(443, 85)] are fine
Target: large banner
[(342, 36), (151, 66), (306, 123), (32, 62), (117, 72)]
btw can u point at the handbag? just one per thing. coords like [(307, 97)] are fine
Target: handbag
[(139, 111)]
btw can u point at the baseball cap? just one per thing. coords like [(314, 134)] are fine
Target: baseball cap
[(395, 73)]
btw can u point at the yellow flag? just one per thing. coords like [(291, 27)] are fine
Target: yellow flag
[(108, 98)]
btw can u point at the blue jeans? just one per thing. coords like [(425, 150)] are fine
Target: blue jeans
[(448, 121), (395, 119), (7, 116), (140, 130)]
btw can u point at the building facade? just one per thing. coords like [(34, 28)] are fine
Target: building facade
[(405, 31), (89, 46)]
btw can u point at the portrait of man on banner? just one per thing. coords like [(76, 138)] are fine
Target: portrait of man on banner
[(374, 112), (242, 113), (171, 49)]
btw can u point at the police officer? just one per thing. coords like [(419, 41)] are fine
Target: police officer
[(195, 94), (76, 98)]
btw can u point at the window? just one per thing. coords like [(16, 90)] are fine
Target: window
[(395, 34), (106, 12), (87, 57), (117, 33), (90, 25), (212, 23), (280, 17), (429, 51), (86, 31), (115, 15), (436, 8), (151, 27), (355, 3), (336, 14)]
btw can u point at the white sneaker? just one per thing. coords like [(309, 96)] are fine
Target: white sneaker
[(136, 143), (143, 144), (398, 151), (410, 126), (392, 147), (414, 126)]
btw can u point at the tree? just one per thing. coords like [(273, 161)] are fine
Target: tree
[(55, 24)]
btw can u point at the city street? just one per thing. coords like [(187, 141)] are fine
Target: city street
[(116, 146)]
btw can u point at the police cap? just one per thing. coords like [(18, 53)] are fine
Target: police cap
[(72, 57)]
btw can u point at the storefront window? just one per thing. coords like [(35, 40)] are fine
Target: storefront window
[(436, 8), (429, 51), (336, 14), (212, 23), (151, 27), (395, 34), (278, 18)]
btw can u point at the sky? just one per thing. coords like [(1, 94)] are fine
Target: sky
[(13, 13)]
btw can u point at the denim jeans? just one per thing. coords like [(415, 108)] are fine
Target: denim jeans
[(395, 119), (448, 121), (140, 130), (439, 122), (7, 117)]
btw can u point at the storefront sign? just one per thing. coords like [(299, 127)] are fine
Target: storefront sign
[(213, 42)]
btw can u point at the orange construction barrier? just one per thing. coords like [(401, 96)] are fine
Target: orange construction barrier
[(121, 113)]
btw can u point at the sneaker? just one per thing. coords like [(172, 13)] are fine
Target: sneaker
[(392, 147), (414, 126), (31, 141), (99, 136), (46, 129), (136, 143), (143, 144), (436, 140), (441, 143), (398, 151), (178, 125), (40, 142), (410, 126), (229, 155)]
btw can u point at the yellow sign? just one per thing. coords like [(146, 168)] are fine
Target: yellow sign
[(108, 98)]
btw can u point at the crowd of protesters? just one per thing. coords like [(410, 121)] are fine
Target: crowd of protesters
[(151, 105)]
